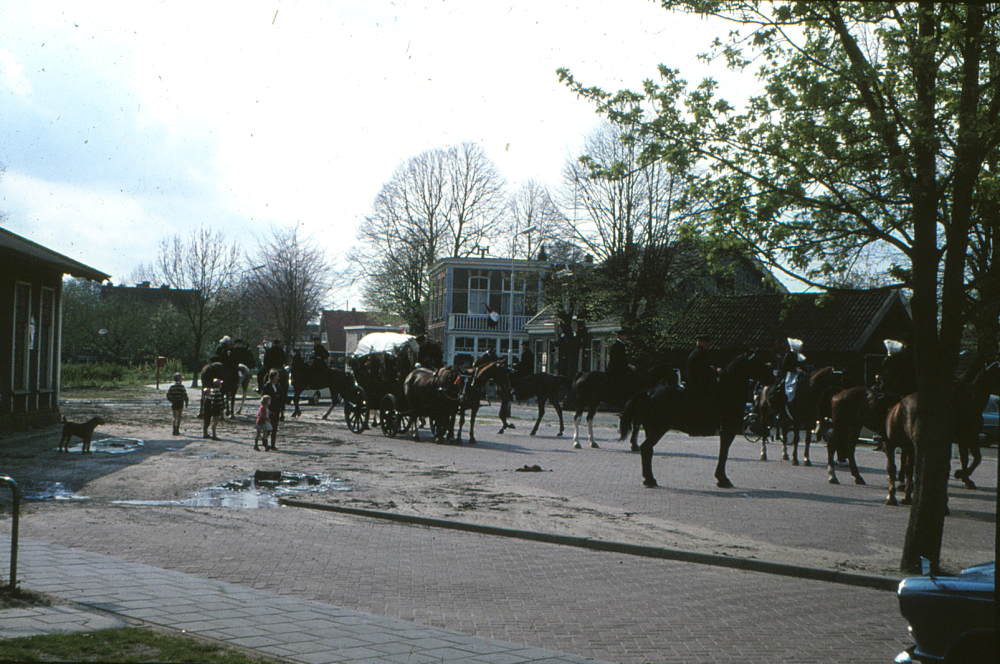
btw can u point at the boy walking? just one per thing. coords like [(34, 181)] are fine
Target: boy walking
[(178, 397), (214, 405)]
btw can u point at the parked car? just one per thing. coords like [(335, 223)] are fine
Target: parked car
[(951, 617), (991, 422), (310, 396)]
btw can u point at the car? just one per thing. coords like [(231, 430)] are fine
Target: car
[(991, 422), (951, 618), (310, 396)]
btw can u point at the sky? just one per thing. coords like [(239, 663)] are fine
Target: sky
[(125, 123)]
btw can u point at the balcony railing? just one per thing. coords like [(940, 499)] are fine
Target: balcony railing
[(477, 323)]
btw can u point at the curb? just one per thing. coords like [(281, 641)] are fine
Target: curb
[(746, 564)]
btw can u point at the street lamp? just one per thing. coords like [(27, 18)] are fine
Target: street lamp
[(510, 310), (243, 295)]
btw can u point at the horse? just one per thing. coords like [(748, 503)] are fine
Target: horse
[(667, 407), (803, 412), (245, 374), (591, 388), (304, 377), (899, 425), (434, 395), (970, 397), (542, 386), (217, 370), (472, 391), (852, 409)]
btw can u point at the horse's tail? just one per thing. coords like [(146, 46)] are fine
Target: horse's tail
[(630, 415)]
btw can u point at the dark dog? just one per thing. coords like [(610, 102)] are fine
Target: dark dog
[(83, 431)]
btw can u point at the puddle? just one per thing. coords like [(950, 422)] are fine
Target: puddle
[(261, 491), (110, 446), (48, 491)]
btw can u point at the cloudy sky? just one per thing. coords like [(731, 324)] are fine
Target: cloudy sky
[(124, 123)]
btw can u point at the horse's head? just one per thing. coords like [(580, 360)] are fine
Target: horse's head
[(449, 380), (750, 365)]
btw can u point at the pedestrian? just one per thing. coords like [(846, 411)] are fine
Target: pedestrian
[(263, 428), (213, 408), (273, 390), (178, 397)]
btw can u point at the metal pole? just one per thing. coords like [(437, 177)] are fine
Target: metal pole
[(15, 518)]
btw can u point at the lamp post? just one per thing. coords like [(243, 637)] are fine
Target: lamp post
[(243, 294), (510, 310)]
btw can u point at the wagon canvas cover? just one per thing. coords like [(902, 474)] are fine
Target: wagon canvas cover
[(384, 342)]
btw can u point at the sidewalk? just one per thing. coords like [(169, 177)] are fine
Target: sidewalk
[(102, 592)]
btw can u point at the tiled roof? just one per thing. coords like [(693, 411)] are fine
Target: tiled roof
[(334, 323), (838, 321)]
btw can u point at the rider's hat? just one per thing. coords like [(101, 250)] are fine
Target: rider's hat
[(892, 346), (795, 345), (703, 337), (225, 340)]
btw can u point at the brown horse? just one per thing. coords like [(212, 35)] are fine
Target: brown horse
[(899, 425), (852, 409), (433, 395), (544, 388), (230, 383), (473, 391)]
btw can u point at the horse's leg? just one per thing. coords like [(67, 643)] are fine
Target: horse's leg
[(831, 451), (795, 444), (805, 452), (635, 436), (890, 469), (590, 426), (906, 461), (295, 400), (646, 454), (854, 466), (555, 404), (576, 429), (541, 412), (725, 442), (505, 402), (472, 425)]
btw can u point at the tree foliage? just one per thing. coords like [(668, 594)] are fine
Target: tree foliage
[(876, 128)]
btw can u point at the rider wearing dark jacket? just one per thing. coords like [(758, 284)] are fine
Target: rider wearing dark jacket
[(899, 371), (243, 355), (699, 383), (274, 358), (618, 363), (525, 365)]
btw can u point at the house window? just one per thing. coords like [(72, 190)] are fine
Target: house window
[(465, 345), (22, 334), (479, 292), (46, 339), (485, 344), (519, 292), (596, 354)]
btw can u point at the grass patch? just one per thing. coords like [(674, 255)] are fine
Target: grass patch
[(98, 374), (130, 644)]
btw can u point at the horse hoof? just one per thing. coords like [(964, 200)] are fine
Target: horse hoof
[(577, 446), (763, 457), (907, 501), (635, 448), (559, 434), (724, 483), (795, 462), (959, 474), (784, 457), (969, 484), (834, 480), (859, 481), (807, 463), (650, 483), (595, 446), (472, 441)]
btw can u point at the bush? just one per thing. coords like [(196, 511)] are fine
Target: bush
[(99, 374)]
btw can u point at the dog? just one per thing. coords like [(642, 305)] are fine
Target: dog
[(83, 431)]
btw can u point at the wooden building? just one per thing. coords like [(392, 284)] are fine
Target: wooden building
[(30, 329)]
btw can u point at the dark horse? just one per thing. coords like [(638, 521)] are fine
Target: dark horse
[(230, 382), (304, 377), (544, 387), (803, 412), (667, 407), (971, 395), (899, 425), (592, 388), (472, 392), (433, 395)]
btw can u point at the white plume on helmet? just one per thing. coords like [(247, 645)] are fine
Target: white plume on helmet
[(795, 345), (892, 346)]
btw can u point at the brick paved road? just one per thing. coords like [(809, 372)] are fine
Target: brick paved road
[(603, 605)]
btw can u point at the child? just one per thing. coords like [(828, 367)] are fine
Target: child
[(263, 428), (178, 397), (214, 408)]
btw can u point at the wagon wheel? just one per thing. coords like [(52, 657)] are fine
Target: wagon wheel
[(356, 410), (390, 416), (405, 422), (751, 427)]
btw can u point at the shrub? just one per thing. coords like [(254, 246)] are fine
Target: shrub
[(100, 374)]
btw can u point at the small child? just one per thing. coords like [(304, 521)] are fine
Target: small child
[(178, 397), (263, 428), (214, 405)]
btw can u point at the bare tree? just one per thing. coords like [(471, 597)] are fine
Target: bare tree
[(293, 284), (532, 205), (207, 267), (436, 204)]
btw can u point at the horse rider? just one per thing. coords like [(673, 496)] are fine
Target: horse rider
[(223, 351), (319, 362), (700, 385), (525, 365), (241, 354), (618, 364), (274, 358), (898, 378), (486, 358), (429, 354), (790, 363)]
